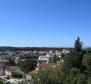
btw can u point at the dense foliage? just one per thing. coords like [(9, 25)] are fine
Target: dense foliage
[(16, 75), (76, 69), (27, 65), (1, 81)]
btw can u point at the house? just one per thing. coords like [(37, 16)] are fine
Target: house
[(58, 53), (46, 58), (65, 51), (3, 62), (43, 58), (3, 66), (14, 69), (10, 69)]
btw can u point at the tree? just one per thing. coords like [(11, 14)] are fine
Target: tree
[(11, 62), (27, 65), (47, 76), (77, 54), (73, 63), (79, 79), (74, 58), (76, 77), (70, 71), (89, 80), (78, 45), (87, 64)]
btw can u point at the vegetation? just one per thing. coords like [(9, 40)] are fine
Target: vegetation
[(16, 75), (1, 81), (27, 65), (76, 69), (31, 48), (11, 62), (47, 76)]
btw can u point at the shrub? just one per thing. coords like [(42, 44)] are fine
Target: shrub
[(1, 81), (16, 75)]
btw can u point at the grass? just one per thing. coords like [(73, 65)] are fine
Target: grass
[(1, 80)]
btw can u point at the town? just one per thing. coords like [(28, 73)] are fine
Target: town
[(9, 60), (45, 41), (34, 65)]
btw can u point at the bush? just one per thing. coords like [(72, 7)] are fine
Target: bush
[(16, 75), (27, 65), (1, 81)]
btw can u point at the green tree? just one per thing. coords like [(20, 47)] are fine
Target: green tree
[(27, 65), (74, 58), (1, 81), (47, 76), (76, 77), (73, 63), (77, 54), (89, 80), (70, 71), (87, 64)]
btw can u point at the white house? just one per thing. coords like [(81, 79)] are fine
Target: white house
[(65, 51), (45, 58)]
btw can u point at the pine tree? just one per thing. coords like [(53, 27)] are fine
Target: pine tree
[(77, 54)]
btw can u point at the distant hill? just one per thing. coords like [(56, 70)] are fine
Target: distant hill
[(4, 48)]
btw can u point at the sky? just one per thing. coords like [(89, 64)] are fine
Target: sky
[(44, 23)]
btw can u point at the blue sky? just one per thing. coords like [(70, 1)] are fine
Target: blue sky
[(47, 23)]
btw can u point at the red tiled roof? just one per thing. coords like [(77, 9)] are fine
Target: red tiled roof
[(2, 64), (13, 68)]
